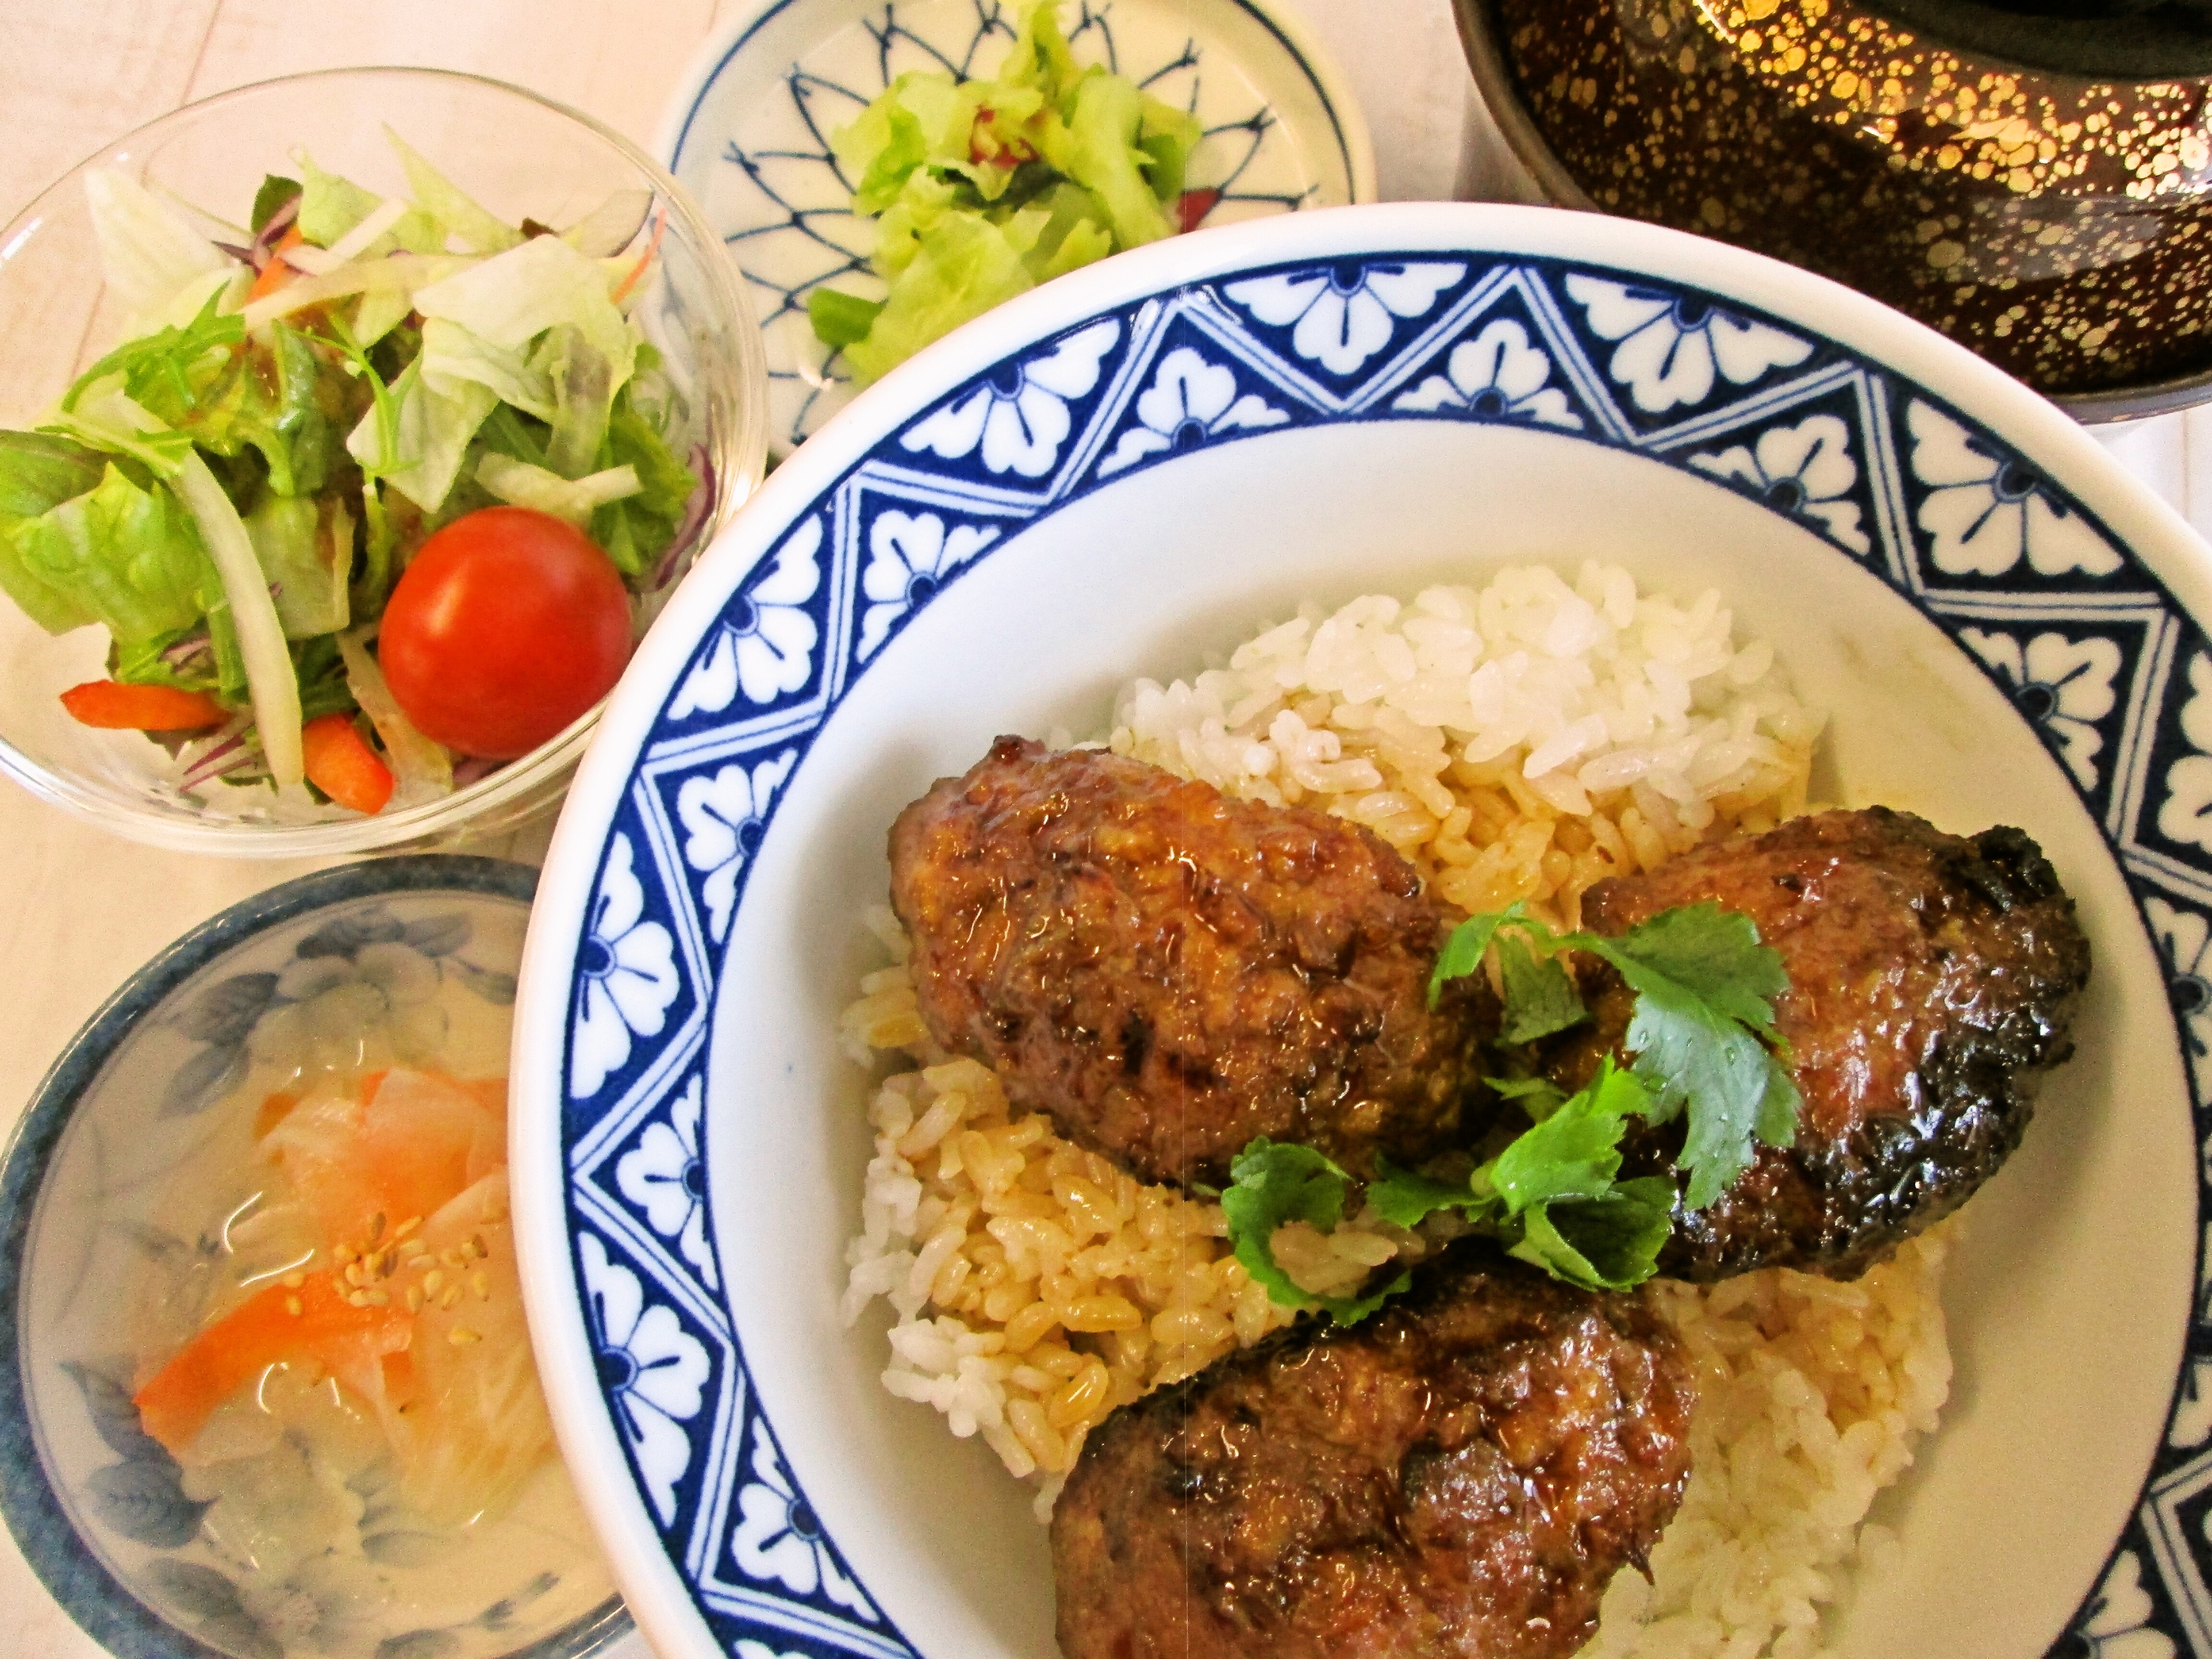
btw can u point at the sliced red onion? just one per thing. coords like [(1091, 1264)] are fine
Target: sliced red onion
[(226, 751), (695, 515), (183, 651), (271, 234)]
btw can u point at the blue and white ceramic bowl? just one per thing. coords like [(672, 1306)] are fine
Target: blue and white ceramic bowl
[(748, 133), (402, 952), (1120, 471)]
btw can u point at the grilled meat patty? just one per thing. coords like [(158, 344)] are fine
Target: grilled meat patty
[(1460, 1476), (1169, 973), (1932, 982)]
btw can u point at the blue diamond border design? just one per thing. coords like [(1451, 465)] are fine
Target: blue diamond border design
[(1190, 366)]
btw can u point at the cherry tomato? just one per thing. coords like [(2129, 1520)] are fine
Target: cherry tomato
[(508, 624)]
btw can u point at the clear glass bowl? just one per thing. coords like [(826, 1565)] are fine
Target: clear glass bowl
[(519, 154)]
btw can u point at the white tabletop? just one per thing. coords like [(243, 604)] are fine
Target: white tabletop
[(79, 909)]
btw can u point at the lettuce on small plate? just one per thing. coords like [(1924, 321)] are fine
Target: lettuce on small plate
[(750, 133)]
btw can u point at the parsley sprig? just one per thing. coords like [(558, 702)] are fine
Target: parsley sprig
[(1702, 1038), (1702, 1033), (1271, 1182)]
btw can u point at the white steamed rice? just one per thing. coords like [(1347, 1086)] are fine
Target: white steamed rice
[(1524, 740)]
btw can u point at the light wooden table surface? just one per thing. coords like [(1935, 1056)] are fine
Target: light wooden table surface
[(80, 909)]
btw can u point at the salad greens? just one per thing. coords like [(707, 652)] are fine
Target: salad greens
[(233, 490), (982, 189), (1702, 1035)]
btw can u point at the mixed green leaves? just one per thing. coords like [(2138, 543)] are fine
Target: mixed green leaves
[(982, 189), (1701, 1031), (244, 476)]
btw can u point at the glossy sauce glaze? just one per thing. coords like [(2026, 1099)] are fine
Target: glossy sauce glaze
[(1461, 1475), (1169, 972)]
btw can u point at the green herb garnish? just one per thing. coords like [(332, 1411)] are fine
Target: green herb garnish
[(1701, 1033), (1271, 1182)]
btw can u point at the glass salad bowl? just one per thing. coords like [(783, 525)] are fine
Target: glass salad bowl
[(414, 178)]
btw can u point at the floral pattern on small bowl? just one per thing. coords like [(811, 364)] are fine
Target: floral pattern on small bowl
[(342, 967), (751, 139)]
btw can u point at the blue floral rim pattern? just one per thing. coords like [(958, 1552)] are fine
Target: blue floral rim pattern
[(2092, 648), (75, 1576)]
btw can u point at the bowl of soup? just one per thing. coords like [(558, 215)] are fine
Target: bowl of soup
[(268, 1391)]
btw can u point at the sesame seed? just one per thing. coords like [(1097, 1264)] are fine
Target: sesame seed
[(292, 1306), (407, 1226), (414, 1299), (481, 1286), (357, 1298), (376, 1227), (344, 1255), (356, 1273), (379, 1298), (452, 1295), (460, 1336), (292, 1281), (434, 1281)]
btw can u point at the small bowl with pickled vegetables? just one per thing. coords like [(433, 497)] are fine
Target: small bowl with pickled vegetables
[(269, 1391), (355, 425)]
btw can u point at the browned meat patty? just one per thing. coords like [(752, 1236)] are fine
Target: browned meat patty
[(1169, 973), (1932, 981), (1457, 1478)]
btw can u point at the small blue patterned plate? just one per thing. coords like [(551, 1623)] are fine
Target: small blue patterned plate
[(102, 1201), (749, 135), (1117, 474)]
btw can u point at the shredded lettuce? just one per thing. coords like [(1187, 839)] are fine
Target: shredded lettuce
[(330, 208), (453, 211), (151, 254), (238, 484), (422, 457), (122, 553), (573, 501), (38, 471), (636, 530), (982, 189), (305, 552), (421, 770)]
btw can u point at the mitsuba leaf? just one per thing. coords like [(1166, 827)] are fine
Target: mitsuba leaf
[(1271, 1182), (1611, 1244), (1574, 1153), (1463, 951), (1714, 954), (1405, 1198), (1541, 998), (1700, 1031), (1539, 1096)]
